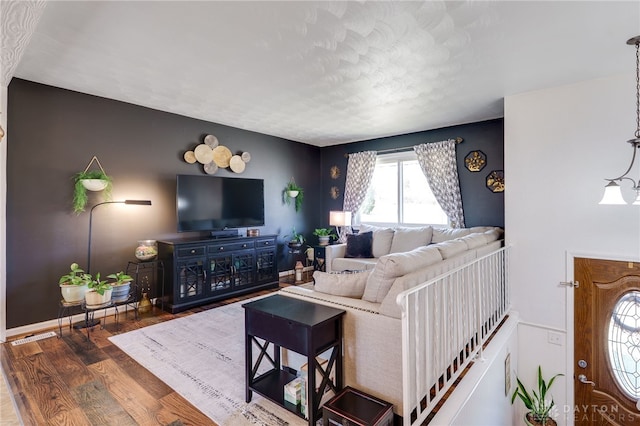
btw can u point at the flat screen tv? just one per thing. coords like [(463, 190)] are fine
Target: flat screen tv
[(212, 203)]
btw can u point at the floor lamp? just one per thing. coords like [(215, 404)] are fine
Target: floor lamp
[(341, 220), (131, 202)]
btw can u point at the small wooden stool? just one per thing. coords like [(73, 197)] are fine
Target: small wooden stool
[(351, 407)]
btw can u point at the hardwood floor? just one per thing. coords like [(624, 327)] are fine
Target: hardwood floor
[(72, 381)]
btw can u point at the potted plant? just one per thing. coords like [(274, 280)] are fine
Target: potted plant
[(296, 241), (99, 292), (292, 192), (121, 286), (93, 180), (536, 402), (74, 285), (324, 234)]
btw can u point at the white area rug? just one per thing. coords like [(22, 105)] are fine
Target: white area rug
[(202, 358)]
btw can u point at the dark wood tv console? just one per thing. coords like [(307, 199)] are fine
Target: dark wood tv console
[(204, 270)]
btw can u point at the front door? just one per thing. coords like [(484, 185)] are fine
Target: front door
[(607, 342)]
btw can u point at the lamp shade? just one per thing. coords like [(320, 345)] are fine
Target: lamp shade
[(339, 218), (612, 194)]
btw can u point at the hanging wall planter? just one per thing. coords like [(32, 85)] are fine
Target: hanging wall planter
[(293, 193), (90, 180)]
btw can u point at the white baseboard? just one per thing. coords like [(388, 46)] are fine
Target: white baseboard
[(26, 330)]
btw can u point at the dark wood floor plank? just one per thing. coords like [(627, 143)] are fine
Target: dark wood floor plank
[(69, 366), (154, 386), (26, 349), (29, 412), (39, 375), (141, 406), (43, 386), (75, 417), (178, 405), (100, 407), (86, 350)]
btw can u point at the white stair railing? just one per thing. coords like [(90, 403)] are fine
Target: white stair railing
[(445, 322)]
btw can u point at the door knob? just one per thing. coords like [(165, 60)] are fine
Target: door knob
[(583, 379)]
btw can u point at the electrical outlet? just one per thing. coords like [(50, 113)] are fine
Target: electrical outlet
[(555, 338)]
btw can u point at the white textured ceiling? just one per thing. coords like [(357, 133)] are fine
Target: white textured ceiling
[(323, 72)]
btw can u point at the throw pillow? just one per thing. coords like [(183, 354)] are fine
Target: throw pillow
[(395, 265), (382, 238), (407, 239), (345, 285), (359, 245)]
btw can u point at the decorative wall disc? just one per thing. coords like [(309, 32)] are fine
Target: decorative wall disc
[(334, 172), (475, 161), (246, 157), (210, 168), (236, 164), (211, 141), (190, 157), (203, 153), (495, 181), (222, 155), (335, 192)]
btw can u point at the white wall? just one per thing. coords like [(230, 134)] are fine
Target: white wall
[(3, 215), (560, 145)]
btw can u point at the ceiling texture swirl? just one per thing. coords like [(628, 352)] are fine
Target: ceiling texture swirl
[(327, 72)]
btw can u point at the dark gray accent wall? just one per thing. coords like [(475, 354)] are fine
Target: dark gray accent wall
[(54, 133), (481, 206)]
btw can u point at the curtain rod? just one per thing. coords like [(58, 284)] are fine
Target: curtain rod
[(406, 148)]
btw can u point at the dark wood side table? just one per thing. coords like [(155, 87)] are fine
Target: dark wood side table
[(303, 327)]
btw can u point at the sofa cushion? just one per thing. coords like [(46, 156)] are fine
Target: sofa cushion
[(451, 248), (346, 285), (352, 264), (382, 237), (446, 234), (394, 265), (359, 245), (474, 240), (492, 234), (407, 239)]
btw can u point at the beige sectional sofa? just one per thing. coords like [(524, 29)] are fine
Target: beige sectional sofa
[(372, 325)]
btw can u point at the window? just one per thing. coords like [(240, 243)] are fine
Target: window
[(400, 195)]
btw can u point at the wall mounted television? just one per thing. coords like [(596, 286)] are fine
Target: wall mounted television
[(212, 203)]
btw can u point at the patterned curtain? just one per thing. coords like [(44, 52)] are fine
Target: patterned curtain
[(359, 173), (438, 163)]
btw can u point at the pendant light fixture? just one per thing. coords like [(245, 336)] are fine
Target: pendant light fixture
[(612, 193)]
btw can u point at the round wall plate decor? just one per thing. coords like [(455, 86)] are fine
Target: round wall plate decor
[(236, 164), (211, 141), (203, 153), (222, 155), (190, 157)]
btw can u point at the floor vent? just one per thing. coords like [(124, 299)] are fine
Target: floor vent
[(33, 338)]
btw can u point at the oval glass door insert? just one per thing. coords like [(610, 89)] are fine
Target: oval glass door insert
[(624, 343)]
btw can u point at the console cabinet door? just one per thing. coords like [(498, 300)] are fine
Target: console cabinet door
[(191, 276), (243, 268), (266, 265), (220, 273)]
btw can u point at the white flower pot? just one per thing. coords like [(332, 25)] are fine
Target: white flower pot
[(94, 184), (324, 241), (293, 194), (93, 298), (73, 293)]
